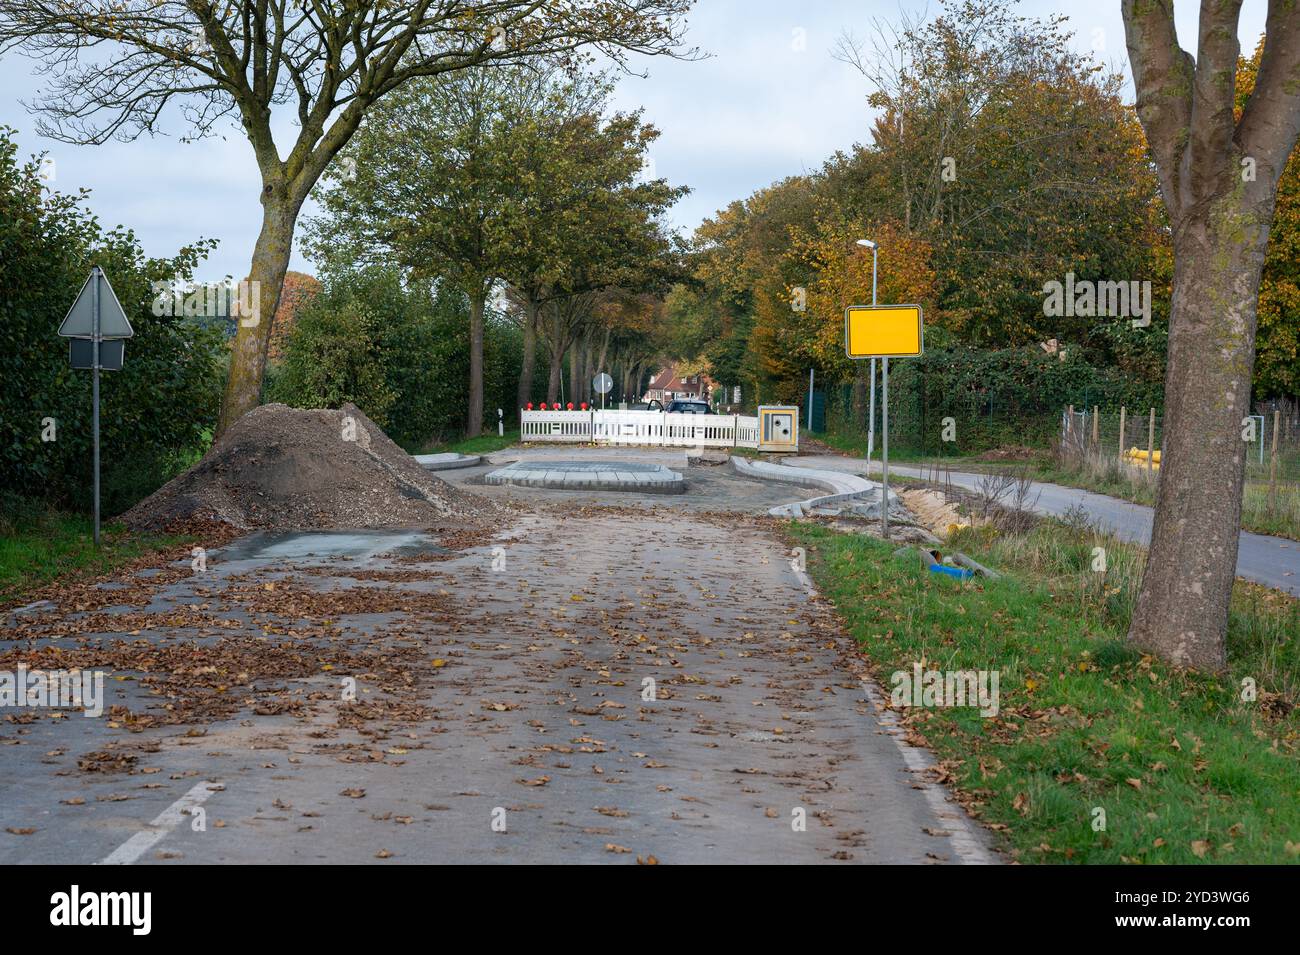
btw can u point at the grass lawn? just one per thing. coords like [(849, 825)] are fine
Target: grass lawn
[(483, 444), (38, 549), (855, 445), (1182, 767)]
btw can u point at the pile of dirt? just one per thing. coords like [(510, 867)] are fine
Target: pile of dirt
[(291, 469)]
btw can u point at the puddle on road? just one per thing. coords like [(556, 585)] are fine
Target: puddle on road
[(308, 546)]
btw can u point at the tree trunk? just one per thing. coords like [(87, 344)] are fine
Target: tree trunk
[(525, 393), (575, 374), (1219, 165), (474, 414), (253, 331), (553, 384), (638, 372), (1182, 607), (604, 353)]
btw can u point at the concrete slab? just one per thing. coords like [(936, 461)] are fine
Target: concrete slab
[(606, 475), (447, 461)]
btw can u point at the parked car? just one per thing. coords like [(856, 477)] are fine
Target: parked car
[(688, 406), (654, 404)]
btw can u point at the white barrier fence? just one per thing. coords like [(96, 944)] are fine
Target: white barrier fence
[(648, 428)]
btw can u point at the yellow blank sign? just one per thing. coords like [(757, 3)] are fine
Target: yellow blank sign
[(883, 331)]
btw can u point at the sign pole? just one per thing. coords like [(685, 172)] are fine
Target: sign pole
[(96, 316), (871, 413), (884, 331), (95, 392), (884, 450)]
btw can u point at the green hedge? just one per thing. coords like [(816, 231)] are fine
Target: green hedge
[(1011, 396), (156, 413)]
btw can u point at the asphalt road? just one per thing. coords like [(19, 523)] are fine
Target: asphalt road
[(1271, 561), (499, 712)]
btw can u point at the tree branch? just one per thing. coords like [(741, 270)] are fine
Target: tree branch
[(1163, 77), (1270, 123)]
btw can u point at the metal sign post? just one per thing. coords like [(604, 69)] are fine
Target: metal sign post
[(98, 319), (884, 449), (602, 383), (94, 391), (884, 332)]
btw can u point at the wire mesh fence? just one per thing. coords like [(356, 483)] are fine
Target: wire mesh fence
[(1121, 453), (1133, 439), (1114, 451)]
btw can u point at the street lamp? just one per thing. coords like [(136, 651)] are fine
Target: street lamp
[(871, 406)]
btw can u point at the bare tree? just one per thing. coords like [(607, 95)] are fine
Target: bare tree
[(1218, 174), (114, 67)]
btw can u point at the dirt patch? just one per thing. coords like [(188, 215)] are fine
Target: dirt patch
[(1009, 452), (934, 511), (292, 469)]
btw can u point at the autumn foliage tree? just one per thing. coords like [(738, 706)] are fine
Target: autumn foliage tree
[(119, 70), (1277, 336)]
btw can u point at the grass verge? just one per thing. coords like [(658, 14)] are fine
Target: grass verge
[(44, 547), (483, 444), (1177, 765)]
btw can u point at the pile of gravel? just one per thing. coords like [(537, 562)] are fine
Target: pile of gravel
[(291, 469)]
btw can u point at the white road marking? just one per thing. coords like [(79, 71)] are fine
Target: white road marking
[(961, 835), (162, 825)]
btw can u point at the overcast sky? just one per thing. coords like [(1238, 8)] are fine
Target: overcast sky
[(770, 102)]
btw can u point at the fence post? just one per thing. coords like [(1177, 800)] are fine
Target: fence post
[(1121, 434), (1272, 463), (1069, 422), (1096, 428), (1151, 445)]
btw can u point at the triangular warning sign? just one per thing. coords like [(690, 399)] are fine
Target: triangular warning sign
[(80, 320)]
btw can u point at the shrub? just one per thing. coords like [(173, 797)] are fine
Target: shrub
[(399, 350), (154, 413)]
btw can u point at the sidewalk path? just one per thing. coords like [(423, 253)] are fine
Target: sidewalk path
[(1271, 561)]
